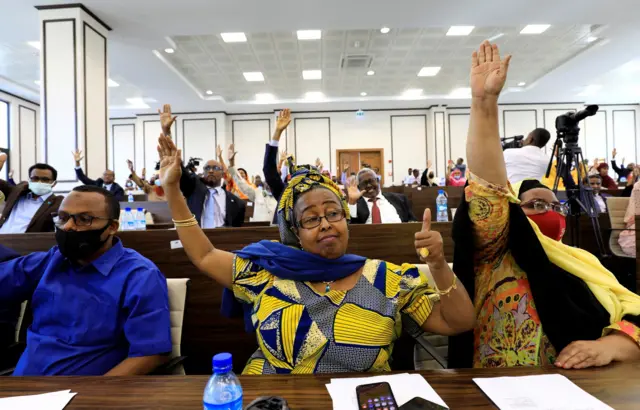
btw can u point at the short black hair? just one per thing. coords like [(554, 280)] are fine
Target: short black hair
[(46, 167), (113, 206), (245, 171), (595, 176), (540, 137), (460, 161)]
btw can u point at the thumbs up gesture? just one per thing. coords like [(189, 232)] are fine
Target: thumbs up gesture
[(428, 243)]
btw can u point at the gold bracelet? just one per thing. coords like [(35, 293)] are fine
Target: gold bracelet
[(185, 223), (185, 220), (453, 286)]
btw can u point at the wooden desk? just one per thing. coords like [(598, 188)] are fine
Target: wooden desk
[(616, 385)]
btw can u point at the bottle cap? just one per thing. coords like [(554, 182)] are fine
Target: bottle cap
[(139, 209), (127, 209), (441, 192), (222, 363)]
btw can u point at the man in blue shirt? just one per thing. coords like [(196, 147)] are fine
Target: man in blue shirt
[(98, 308)]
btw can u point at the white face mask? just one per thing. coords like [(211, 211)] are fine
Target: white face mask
[(40, 188), (157, 182)]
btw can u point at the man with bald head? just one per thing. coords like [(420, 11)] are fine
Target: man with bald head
[(107, 181)]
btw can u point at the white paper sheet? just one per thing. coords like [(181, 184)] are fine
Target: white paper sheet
[(404, 387), (543, 392), (47, 401)]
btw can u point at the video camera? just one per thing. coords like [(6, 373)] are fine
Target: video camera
[(567, 124), (193, 164), (512, 142)]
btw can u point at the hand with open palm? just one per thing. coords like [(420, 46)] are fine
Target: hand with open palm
[(166, 119), (170, 162), (488, 71), (353, 192), (284, 119)]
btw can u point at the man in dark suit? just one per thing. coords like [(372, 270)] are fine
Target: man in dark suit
[(107, 181), (28, 205), (368, 205), (212, 205)]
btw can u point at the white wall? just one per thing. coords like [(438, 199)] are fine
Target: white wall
[(24, 136), (408, 137)]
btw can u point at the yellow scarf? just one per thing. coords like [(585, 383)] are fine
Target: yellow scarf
[(615, 298)]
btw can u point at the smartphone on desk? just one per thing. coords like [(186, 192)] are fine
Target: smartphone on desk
[(376, 396), (418, 403)]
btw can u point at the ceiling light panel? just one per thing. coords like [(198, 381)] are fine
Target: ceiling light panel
[(312, 74), (233, 37), (309, 34), (535, 29), (253, 76), (460, 30), (428, 71)]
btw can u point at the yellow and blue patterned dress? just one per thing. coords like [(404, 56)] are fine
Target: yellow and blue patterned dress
[(300, 330)]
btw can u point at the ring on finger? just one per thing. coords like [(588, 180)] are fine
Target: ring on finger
[(424, 253)]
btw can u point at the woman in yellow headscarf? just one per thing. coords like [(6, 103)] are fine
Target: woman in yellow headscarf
[(537, 300)]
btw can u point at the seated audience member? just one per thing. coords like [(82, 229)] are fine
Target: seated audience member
[(153, 188), (607, 181), (107, 181), (257, 181), (98, 308), (28, 205), (306, 292), (537, 300), (407, 179), (428, 177), (264, 204), (631, 180), (461, 166), (369, 205), (529, 161), (455, 177), (627, 238), (595, 182), (622, 171)]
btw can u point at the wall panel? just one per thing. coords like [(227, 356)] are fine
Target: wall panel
[(250, 137), (409, 144)]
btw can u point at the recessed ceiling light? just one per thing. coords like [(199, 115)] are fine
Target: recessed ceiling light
[(428, 71), (371, 72), (312, 74), (169, 50), (412, 93), (535, 29), (34, 44), (314, 95), (233, 37), (460, 30), (264, 97), (462, 92), (363, 94), (385, 30), (522, 84), (137, 102), (591, 39), (38, 82), (209, 92), (253, 76), (309, 34), (111, 83)]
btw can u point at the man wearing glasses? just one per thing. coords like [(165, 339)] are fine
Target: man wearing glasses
[(212, 205), (28, 205), (98, 307)]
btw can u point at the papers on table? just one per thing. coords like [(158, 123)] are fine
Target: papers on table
[(544, 392), (48, 401), (404, 386)]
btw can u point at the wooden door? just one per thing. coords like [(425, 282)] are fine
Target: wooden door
[(349, 159), (356, 159)]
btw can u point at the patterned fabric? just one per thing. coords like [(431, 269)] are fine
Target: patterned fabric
[(627, 239), (301, 330), (508, 330)]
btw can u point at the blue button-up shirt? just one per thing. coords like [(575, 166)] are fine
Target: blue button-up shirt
[(22, 213), (86, 320)]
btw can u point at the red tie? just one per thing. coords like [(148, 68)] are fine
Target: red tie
[(375, 212)]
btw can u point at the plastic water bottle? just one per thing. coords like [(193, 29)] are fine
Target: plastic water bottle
[(141, 221), (442, 207), (223, 391), (130, 197), (129, 224)]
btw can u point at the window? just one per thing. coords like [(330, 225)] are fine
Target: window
[(4, 135)]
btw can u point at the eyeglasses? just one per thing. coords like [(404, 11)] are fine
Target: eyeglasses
[(45, 180), (61, 218), (543, 206), (208, 168), (315, 221)]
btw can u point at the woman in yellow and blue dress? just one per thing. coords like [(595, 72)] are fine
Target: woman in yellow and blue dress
[(315, 308)]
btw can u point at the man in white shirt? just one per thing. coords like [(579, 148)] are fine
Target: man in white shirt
[(407, 180), (595, 181), (530, 161), (368, 205), (414, 179)]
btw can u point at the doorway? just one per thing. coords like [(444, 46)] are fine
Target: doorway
[(356, 159)]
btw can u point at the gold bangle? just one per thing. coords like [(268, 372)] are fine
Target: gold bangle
[(193, 217), (453, 286), (186, 225)]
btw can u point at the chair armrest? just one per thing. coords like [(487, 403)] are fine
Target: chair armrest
[(168, 368)]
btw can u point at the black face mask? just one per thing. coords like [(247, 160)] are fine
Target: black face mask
[(78, 245)]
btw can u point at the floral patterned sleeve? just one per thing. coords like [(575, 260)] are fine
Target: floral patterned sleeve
[(625, 327), (489, 213)]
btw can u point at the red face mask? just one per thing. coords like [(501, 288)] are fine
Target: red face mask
[(551, 224)]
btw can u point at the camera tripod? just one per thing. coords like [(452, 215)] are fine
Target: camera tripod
[(580, 197)]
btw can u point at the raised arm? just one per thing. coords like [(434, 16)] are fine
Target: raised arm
[(77, 156), (269, 168), (243, 185), (136, 179), (484, 152), (215, 263)]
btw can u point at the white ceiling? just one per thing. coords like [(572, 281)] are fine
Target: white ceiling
[(557, 65)]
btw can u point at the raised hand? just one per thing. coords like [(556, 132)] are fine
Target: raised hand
[(319, 164), (144, 173), (3, 159), (283, 121), (353, 192), (429, 164), (428, 243), (170, 161), (283, 156), (622, 161), (488, 71), (231, 153), (614, 153), (77, 156), (166, 119), (10, 173), (130, 165), (219, 152)]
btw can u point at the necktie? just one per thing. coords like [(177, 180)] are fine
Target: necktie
[(211, 211), (375, 212)]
